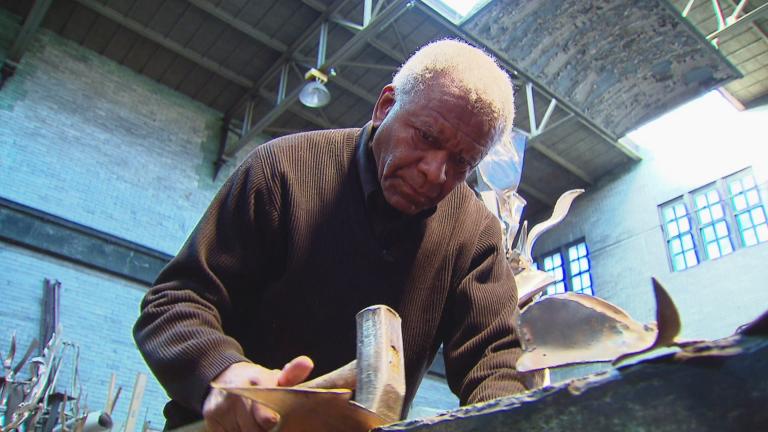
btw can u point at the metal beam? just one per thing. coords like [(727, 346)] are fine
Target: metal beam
[(760, 12), (352, 46), (23, 38), (166, 42), (287, 55), (320, 7), (244, 27), (559, 160)]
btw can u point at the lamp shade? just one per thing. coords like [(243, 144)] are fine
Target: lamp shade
[(315, 94)]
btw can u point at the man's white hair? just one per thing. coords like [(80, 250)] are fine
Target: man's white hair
[(465, 69)]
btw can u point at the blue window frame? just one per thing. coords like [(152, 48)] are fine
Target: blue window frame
[(570, 266), (726, 215), (748, 209), (677, 230), (578, 262)]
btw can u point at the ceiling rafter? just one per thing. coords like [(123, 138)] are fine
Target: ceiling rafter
[(23, 38), (166, 42), (352, 46)]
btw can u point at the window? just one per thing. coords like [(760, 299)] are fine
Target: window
[(712, 221), (572, 274), (553, 264), (456, 11), (677, 227), (748, 210), (578, 261)]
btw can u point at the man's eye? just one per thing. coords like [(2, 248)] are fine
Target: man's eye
[(463, 163), (425, 135)]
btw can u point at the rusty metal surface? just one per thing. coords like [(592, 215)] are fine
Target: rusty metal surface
[(620, 63), (718, 386)]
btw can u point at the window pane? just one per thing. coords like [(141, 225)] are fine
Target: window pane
[(739, 202), (573, 253), (560, 287), (713, 196), (758, 215), (582, 249), (701, 201), (584, 263), (576, 283), (705, 216), (744, 221), (725, 246), (678, 262), (748, 182), (684, 225), (586, 280), (674, 246), (735, 187), (749, 237), (574, 267), (717, 211), (762, 233), (558, 273), (687, 242), (557, 260), (708, 233), (752, 197), (691, 259), (680, 210), (548, 263), (669, 214), (672, 229), (722, 229), (713, 251)]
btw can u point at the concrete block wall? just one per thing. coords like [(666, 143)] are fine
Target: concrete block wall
[(97, 314), (619, 219)]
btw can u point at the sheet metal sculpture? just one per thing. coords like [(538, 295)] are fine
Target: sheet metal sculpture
[(597, 331), (500, 173)]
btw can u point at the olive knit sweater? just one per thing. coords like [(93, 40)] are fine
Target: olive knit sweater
[(285, 257)]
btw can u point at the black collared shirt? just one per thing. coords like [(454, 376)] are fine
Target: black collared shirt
[(387, 223)]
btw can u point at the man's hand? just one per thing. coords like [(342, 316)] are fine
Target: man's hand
[(231, 413)]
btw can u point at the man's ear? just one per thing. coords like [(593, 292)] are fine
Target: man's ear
[(383, 105)]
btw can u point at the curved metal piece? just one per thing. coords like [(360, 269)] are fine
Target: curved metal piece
[(562, 206), (312, 409)]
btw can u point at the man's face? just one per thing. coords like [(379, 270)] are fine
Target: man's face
[(425, 147)]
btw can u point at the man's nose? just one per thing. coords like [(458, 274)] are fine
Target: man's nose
[(433, 165)]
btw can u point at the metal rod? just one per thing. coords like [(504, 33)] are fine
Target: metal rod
[(687, 8), (746, 19), (719, 13), (322, 44), (547, 114), (531, 110), (283, 83), (735, 15), (346, 23), (367, 9)]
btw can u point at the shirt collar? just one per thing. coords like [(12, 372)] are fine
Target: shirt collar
[(366, 166)]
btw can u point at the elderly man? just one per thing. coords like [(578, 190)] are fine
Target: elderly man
[(314, 227)]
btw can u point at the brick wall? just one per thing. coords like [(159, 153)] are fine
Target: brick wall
[(620, 221)]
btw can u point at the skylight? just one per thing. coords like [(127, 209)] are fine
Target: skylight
[(457, 11)]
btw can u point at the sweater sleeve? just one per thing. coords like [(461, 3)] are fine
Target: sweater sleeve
[(180, 330), (481, 343)]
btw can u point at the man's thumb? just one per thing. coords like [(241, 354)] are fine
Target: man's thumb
[(295, 372)]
